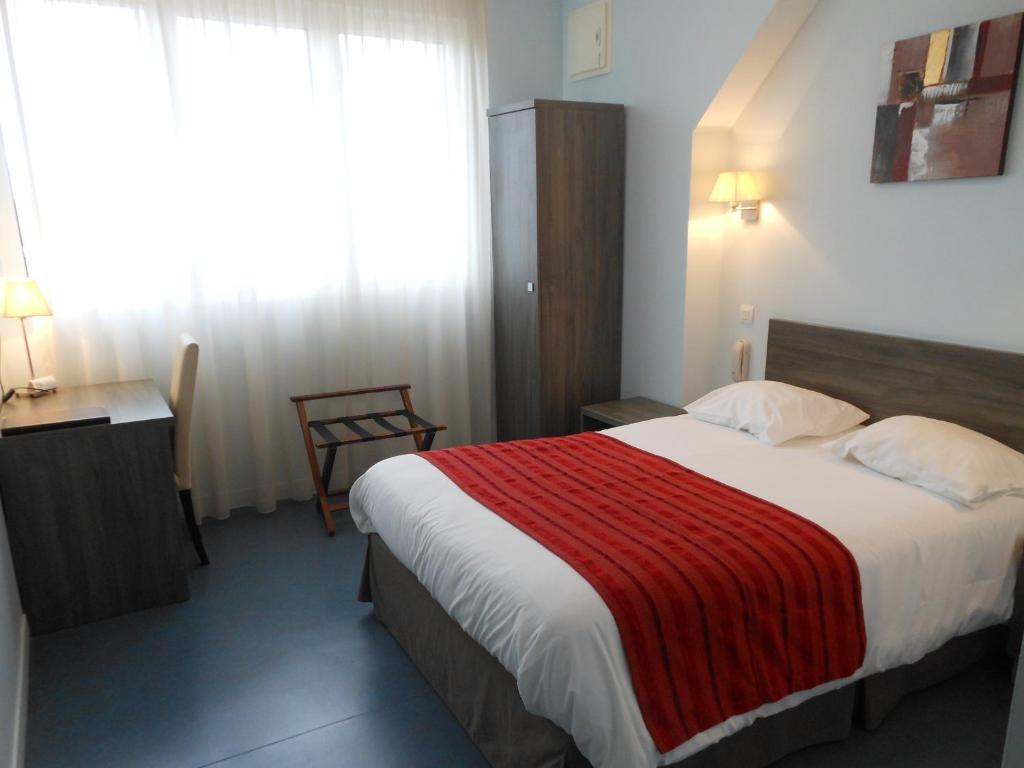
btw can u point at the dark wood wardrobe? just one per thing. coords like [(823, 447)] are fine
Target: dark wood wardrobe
[(557, 199)]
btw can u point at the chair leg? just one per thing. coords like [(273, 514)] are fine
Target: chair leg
[(193, 526)]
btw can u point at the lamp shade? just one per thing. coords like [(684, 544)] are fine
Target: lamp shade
[(22, 298), (734, 187)]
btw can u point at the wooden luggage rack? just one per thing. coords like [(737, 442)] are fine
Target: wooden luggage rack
[(419, 429)]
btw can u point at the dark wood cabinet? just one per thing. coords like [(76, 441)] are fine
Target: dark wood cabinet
[(557, 197), (92, 511)]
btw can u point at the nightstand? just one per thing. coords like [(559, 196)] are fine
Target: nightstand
[(616, 413)]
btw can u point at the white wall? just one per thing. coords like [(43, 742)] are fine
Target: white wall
[(13, 662), (712, 149), (524, 50), (941, 260), (668, 61)]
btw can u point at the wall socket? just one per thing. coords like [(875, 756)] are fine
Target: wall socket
[(747, 314)]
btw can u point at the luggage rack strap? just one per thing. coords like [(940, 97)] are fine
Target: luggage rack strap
[(363, 435)]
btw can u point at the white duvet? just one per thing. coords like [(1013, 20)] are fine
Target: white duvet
[(930, 570)]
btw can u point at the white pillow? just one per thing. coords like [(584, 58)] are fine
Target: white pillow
[(945, 458), (776, 412)]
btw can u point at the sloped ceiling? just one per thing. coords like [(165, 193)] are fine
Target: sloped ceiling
[(773, 37)]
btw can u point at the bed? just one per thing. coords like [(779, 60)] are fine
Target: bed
[(526, 653)]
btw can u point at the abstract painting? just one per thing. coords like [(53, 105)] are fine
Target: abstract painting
[(946, 103)]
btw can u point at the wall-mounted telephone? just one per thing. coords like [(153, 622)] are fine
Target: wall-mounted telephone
[(741, 360)]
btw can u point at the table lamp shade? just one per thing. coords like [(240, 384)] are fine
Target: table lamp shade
[(22, 298)]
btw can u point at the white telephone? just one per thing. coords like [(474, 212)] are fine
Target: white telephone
[(741, 360)]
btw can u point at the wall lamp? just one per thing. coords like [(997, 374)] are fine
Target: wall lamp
[(738, 189)]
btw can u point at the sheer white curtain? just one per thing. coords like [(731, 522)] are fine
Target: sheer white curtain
[(299, 183)]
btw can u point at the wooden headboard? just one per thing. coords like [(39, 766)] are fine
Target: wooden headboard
[(982, 389)]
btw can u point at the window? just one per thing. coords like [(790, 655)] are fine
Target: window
[(203, 154)]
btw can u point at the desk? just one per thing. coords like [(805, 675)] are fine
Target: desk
[(92, 511)]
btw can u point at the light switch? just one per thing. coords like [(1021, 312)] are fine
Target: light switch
[(747, 314)]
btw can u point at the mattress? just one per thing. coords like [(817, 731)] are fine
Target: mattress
[(930, 570)]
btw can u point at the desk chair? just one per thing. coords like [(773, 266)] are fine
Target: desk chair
[(183, 390)]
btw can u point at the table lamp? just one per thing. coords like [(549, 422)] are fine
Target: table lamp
[(22, 298)]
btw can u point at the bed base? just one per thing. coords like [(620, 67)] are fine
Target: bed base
[(484, 698)]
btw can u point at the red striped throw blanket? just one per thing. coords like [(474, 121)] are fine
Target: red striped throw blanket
[(724, 602)]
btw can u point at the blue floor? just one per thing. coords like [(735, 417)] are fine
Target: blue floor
[(273, 663)]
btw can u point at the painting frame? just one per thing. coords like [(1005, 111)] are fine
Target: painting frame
[(947, 102)]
